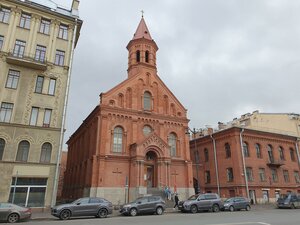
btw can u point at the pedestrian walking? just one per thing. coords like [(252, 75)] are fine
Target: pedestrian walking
[(176, 200)]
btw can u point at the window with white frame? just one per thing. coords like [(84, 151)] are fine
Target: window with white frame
[(297, 178), (34, 116), (25, 21), (229, 172), (1, 41), (147, 100), (274, 175), (46, 153), (52, 84), (173, 144), (12, 79), (19, 49), (63, 32), (59, 58), (47, 117), (23, 151), (262, 174), (2, 146), (6, 111), (249, 173), (45, 26), (118, 139), (286, 176), (4, 15), (39, 84), (40, 53)]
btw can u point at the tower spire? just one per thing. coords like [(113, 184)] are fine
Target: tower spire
[(142, 30)]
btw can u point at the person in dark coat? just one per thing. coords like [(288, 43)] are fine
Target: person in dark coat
[(176, 200)]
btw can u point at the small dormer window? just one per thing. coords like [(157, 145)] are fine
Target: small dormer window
[(147, 56), (138, 56)]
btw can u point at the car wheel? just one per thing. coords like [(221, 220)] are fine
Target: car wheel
[(65, 214), (194, 209), (133, 212), (215, 208), (231, 208), (102, 213), (13, 218), (248, 208), (159, 211)]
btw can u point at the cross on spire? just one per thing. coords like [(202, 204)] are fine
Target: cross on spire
[(142, 11)]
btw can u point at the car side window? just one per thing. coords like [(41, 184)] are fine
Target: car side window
[(201, 197), (142, 200), (153, 199), (209, 197), (84, 201), (96, 200)]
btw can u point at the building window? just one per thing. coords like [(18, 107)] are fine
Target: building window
[(262, 174), (23, 151), (34, 116), (47, 118), (118, 139), (46, 153), (39, 84), (147, 101), (207, 177), (19, 49), (227, 150), (147, 130), (28, 192), (297, 178), (172, 142), (270, 153), (63, 32), (274, 175), (6, 111), (229, 174), (197, 158), (292, 154), (258, 152), (138, 56), (249, 173), (59, 58), (1, 42), (147, 56), (2, 146), (25, 21), (246, 150), (40, 53), (4, 15), (206, 156), (51, 89), (281, 153), (286, 176), (12, 79), (45, 26)]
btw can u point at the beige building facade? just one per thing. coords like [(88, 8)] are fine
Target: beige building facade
[(37, 39)]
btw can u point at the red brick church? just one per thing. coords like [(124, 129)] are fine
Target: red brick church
[(134, 142)]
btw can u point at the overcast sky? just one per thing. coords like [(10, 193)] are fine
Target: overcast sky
[(220, 58)]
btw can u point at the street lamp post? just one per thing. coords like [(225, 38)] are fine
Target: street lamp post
[(194, 132)]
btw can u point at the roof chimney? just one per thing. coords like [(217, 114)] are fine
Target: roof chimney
[(75, 6)]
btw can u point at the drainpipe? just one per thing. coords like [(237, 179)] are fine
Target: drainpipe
[(244, 166), (297, 150), (62, 129), (216, 163)]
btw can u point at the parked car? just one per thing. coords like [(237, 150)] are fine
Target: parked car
[(12, 213), (237, 203), (291, 201), (98, 207), (201, 202), (144, 205)]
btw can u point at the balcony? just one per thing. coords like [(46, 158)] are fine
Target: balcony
[(27, 60), (275, 163)]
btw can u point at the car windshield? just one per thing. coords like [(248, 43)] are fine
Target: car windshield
[(193, 197), (228, 200)]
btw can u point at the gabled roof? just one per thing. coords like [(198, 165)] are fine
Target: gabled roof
[(142, 31)]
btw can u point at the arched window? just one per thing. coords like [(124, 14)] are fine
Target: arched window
[(292, 154), (258, 152), (46, 153), (246, 150), (138, 56), (147, 130), (172, 143), (118, 139), (147, 56), (227, 150), (2, 146), (121, 100), (147, 101), (23, 150), (270, 153), (281, 153), (197, 159)]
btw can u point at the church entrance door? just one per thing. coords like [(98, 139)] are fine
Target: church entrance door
[(150, 170)]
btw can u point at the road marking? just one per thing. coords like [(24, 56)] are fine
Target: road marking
[(263, 223), (241, 223)]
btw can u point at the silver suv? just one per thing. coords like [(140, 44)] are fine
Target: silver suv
[(201, 202)]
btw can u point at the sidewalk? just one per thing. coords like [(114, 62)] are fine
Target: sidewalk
[(48, 216)]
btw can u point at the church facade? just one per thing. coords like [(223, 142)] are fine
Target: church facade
[(134, 142)]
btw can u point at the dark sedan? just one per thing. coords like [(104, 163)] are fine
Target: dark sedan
[(12, 213), (237, 203), (144, 205), (98, 207)]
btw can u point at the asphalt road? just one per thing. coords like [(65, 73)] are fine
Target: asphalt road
[(257, 217)]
